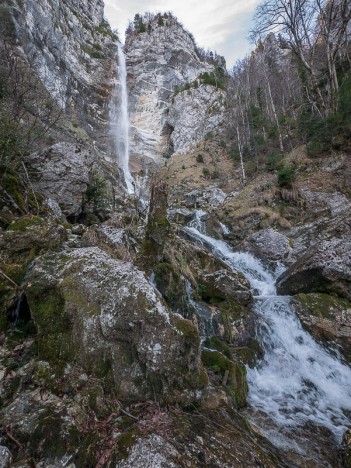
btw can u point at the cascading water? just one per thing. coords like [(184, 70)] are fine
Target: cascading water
[(298, 382), (122, 121)]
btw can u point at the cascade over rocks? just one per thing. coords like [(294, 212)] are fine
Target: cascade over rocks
[(104, 315)]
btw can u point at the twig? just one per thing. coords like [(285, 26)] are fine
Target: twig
[(11, 437), (31, 186), (126, 412)]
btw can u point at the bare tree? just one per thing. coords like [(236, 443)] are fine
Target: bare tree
[(294, 21)]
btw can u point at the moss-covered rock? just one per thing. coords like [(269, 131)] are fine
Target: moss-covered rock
[(25, 238), (215, 343), (103, 315), (233, 372), (171, 285), (157, 229)]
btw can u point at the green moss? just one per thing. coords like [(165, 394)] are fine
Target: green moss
[(55, 342), (73, 295), (322, 305), (239, 397), (188, 329), (125, 442), (230, 312), (170, 284), (237, 384), (215, 343), (216, 361), (249, 354), (15, 271), (25, 222)]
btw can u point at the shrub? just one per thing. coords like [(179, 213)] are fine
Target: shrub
[(250, 168), (273, 162), (286, 176), (205, 171), (199, 158)]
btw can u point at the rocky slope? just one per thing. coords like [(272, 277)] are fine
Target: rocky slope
[(125, 340)]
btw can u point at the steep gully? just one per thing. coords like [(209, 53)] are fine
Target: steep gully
[(298, 382)]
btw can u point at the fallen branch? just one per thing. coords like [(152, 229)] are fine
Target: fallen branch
[(11, 437), (15, 285), (126, 412)]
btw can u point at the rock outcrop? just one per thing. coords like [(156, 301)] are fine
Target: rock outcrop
[(324, 268), (171, 107), (327, 318), (60, 173), (104, 315)]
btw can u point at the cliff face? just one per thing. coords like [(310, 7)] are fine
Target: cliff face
[(72, 49), (171, 107)]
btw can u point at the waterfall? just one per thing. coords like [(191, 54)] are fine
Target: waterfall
[(121, 129), (298, 382)]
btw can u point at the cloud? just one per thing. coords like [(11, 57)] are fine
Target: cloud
[(221, 25)]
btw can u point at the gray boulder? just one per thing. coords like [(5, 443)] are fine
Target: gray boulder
[(324, 268), (270, 245)]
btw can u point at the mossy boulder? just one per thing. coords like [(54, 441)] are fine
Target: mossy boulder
[(171, 285), (224, 368), (213, 279), (16, 198), (104, 315), (327, 318), (24, 239), (224, 285)]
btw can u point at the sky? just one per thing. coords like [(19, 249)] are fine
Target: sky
[(218, 25)]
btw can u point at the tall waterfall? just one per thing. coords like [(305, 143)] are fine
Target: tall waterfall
[(122, 121), (298, 382)]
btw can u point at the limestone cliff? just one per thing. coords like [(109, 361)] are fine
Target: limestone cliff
[(72, 49), (172, 104)]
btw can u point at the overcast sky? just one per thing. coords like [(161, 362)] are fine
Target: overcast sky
[(218, 25)]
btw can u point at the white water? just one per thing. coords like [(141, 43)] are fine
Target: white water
[(122, 122), (298, 381)]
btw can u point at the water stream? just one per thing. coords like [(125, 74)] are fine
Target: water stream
[(122, 121), (298, 382)]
